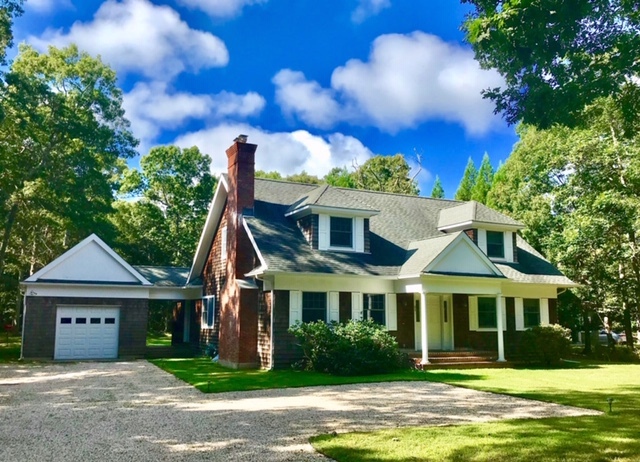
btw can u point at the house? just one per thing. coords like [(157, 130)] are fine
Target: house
[(439, 274)]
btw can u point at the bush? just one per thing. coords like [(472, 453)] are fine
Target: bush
[(354, 348), (545, 344)]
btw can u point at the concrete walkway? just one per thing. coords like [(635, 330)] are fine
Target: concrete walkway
[(133, 411)]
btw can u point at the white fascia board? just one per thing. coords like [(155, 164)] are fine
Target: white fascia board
[(210, 226), (77, 248), (333, 211), (480, 224), (472, 246), (263, 264)]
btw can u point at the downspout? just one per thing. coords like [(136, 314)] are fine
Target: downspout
[(273, 304)]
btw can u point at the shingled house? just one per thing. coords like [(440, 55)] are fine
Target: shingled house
[(439, 274)]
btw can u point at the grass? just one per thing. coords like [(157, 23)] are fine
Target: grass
[(158, 339), (611, 436), (210, 377), (9, 348)]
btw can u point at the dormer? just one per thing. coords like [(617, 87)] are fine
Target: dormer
[(493, 232), (333, 221)]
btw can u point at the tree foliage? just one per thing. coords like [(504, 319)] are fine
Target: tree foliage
[(467, 182), (438, 191), (558, 56), (578, 192), (173, 190), (483, 182), (62, 142), (9, 10), (386, 173)]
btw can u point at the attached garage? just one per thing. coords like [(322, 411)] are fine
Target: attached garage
[(87, 333), (91, 304)]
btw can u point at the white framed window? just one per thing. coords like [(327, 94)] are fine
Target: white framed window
[(495, 244), (531, 312), (341, 232), (314, 306), (374, 308), (208, 312), (223, 244)]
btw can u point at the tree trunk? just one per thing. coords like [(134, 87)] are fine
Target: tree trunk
[(627, 325), (8, 227), (587, 332)]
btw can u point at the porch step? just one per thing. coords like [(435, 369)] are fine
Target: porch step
[(170, 351)]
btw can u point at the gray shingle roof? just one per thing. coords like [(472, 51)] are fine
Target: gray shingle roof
[(404, 234), (473, 211), (164, 276), (327, 196)]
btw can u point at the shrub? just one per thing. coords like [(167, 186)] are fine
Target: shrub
[(545, 344), (354, 348)]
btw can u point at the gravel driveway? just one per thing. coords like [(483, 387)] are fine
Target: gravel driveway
[(133, 411)]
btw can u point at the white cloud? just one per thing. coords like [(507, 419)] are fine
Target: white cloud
[(408, 79), (135, 36), (151, 107), (368, 8), (313, 104), (47, 6), (284, 152), (220, 8)]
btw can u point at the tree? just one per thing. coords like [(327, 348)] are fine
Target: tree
[(386, 173), (174, 188), (9, 10), (62, 138), (303, 177), (467, 182), (438, 191), (340, 177), (581, 187), (558, 56), (273, 175), (483, 182)]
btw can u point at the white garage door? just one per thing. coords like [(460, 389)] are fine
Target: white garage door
[(87, 333)]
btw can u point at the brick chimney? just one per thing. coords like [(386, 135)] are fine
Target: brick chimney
[(241, 172), (238, 340)]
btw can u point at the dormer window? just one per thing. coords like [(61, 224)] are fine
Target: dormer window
[(341, 232), (495, 244)]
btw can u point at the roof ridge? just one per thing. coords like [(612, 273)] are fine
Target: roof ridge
[(289, 182)]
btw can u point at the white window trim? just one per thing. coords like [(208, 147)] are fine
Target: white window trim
[(476, 320), (203, 320), (353, 235)]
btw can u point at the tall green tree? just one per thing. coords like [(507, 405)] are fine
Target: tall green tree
[(578, 191), (467, 182), (173, 189), (438, 191), (483, 182), (303, 177), (340, 177), (558, 56), (9, 10), (388, 174)]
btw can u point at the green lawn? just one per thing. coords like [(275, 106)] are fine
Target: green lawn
[(9, 348), (614, 436), (213, 378), (158, 339)]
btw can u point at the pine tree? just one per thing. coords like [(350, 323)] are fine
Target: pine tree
[(468, 181), (484, 179), (438, 191)]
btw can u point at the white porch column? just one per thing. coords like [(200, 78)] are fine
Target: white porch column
[(423, 328), (499, 325)]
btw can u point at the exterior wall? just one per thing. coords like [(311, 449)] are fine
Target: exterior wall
[(214, 276), (40, 324), (285, 348), (473, 235), (405, 334), (367, 236), (553, 311), (514, 241), (264, 330), (309, 227), (345, 306)]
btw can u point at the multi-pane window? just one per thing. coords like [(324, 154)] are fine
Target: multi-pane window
[(341, 232), (314, 306), (495, 244), (373, 307), (531, 312), (487, 313), (208, 310)]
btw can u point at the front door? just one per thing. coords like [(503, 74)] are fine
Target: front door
[(439, 322)]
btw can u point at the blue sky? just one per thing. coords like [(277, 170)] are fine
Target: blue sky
[(315, 84)]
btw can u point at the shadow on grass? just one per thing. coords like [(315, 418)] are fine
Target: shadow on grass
[(594, 438)]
